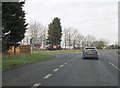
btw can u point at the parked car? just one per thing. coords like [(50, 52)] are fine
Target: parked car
[(90, 52), (54, 47)]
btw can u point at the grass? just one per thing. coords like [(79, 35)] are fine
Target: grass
[(9, 62), (67, 50), (48, 51)]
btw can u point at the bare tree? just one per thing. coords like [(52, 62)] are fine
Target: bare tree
[(89, 40), (102, 43), (34, 29), (43, 36), (38, 33), (79, 39), (67, 37), (75, 34), (72, 38)]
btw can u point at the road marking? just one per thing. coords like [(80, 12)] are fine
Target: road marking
[(116, 53), (36, 85), (47, 76), (114, 66), (61, 66), (65, 63), (71, 60), (55, 70)]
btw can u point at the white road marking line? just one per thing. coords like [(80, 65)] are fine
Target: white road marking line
[(110, 63), (71, 60), (61, 66), (36, 85), (105, 59), (55, 70), (114, 66), (65, 63), (117, 54), (47, 76)]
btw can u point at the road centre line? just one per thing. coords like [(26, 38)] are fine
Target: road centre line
[(36, 85), (71, 60), (65, 63), (55, 70), (61, 65), (47, 76)]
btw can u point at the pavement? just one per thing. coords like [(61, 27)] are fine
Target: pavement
[(67, 69)]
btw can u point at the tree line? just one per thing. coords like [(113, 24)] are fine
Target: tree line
[(14, 27), (70, 37)]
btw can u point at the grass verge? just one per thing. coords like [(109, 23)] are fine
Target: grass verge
[(67, 51), (61, 51), (118, 51), (9, 62)]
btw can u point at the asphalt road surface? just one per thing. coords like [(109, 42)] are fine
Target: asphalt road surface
[(67, 69)]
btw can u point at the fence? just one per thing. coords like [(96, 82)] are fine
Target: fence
[(20, 49)]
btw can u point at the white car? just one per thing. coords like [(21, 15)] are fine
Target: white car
[(90, 52)]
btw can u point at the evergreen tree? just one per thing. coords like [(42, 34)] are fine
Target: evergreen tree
[(54, 33), (13, 24)]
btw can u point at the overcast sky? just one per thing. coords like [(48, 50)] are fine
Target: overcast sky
[(98, 18)]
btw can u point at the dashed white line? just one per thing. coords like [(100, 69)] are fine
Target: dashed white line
[(65, 63), (55, 70), (47, 76), (36, 85), (71, 59), (114, 66), (61, 66), (116, 53)]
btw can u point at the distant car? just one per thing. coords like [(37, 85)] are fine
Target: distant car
[(90, 52)]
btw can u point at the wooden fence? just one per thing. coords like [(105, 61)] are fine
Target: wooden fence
[(20, 49)]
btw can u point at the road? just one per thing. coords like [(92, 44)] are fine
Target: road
[(67, 69)]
